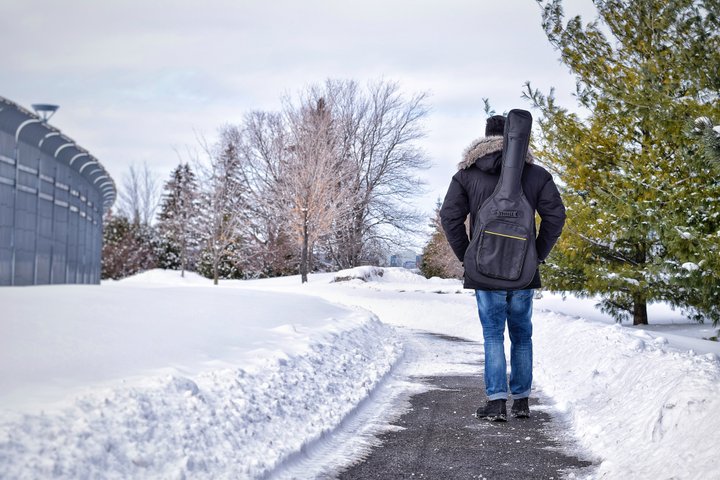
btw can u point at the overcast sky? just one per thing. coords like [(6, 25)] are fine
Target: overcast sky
[(135, 79)]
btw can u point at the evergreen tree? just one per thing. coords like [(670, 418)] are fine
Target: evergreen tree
[(643, 211), (178, 219), (222, 201), (697, 270), (128, 248), (709, 136), (438, 259), (223, 266)]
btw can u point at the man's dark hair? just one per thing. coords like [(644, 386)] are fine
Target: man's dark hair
[(495, 125)]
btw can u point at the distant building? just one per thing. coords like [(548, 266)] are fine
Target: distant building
[(407, 259), (53, 194), (410, 264)]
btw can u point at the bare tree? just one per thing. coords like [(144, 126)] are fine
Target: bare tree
[(313, 180), (379, 131), (263, 143), (140, 195), (335, 170)]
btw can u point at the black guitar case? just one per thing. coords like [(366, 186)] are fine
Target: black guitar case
[(502, 254)]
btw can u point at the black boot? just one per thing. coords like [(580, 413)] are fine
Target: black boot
[(495, 411), (520, 408)]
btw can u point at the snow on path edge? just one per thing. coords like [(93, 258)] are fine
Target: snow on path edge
[(221, 423), (629, 397)]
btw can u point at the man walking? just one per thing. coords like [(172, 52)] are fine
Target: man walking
[(476, 179)]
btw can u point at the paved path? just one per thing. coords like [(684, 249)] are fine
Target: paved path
[(441, 439)]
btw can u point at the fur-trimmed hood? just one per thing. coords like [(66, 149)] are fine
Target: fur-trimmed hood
[(484, 147)]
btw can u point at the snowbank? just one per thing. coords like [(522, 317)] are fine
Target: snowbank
[(396, 279), (157, 380), (666, 323), (643, 409), (159, 276)]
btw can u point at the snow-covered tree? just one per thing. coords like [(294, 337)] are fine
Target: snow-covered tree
[(178, 220), (642, 210), (221, 201), (696, 268), (128, 247), (709, 135)]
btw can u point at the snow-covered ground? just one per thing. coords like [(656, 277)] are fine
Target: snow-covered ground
[(159, 376)]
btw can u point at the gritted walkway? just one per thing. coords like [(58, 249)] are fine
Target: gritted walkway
[(440, 439)]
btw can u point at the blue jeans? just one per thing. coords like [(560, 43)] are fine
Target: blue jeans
[(495, 307)]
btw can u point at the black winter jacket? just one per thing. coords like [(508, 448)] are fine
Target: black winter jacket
[(475, 181)]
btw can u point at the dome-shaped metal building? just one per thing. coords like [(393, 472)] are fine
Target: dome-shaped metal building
[(53, 194)]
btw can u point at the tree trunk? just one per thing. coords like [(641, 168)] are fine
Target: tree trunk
[(640, 310), (304, 253), (183, 256), (216, 261)]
